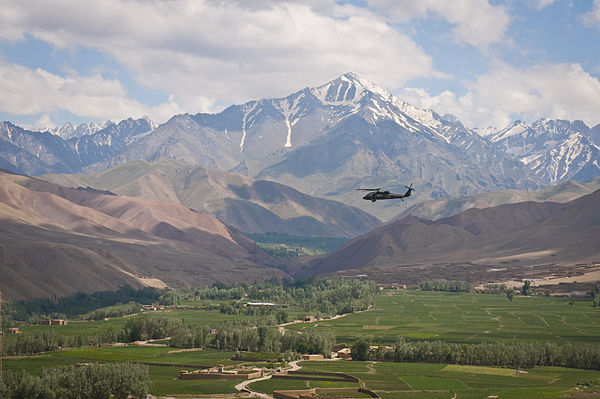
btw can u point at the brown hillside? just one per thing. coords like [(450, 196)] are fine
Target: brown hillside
[(57, 241), (249, 205), (514, 237)]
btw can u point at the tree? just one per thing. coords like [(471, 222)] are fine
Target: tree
[(360, 348), (526, 288), (510, 294)]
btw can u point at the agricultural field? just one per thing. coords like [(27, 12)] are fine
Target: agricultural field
[(164, 378), (291, 246), (416, 315), (188, 317), (413, 380), (469, 318)]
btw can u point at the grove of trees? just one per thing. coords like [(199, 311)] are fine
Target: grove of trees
[(517, 354), (95, 381)]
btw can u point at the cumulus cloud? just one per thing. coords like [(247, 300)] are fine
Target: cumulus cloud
[(592, 18), (27, 91), (201, 52), (476, 22), (562, 91)]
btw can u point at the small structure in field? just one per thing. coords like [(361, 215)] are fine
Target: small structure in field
[(344, 353), (14, 330), (53, 322), (220, 373), (313, 357), (261, 304)]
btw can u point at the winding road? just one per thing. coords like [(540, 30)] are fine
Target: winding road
[(243, 386)]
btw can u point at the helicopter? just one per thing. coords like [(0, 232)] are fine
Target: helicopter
[(377, 194)]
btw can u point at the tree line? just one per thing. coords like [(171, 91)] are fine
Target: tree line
[(238, 335), (95, 381), (76, 304), (448, 286), (516, 354)]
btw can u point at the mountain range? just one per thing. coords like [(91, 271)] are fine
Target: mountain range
[(512, 240), (56, 240), (249, 205), (438, 209), (327, 141)]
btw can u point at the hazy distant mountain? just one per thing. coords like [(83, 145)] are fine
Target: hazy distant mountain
[(56, 240), (519, 237), (556, 150), (252, 206), (68, 130), (437, 209), (34, 153)]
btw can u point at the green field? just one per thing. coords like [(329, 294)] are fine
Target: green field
[(291, 246), (164, 378), (469, 318), (416, 315), (392, 380), (189, 317)]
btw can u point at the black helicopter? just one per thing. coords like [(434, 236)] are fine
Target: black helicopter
[(377, 194)]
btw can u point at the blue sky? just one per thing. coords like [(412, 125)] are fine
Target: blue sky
[(488, 62)]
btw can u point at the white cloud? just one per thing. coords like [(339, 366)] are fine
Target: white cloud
[(201, 52), (26, 91), (562, 91), (476, 22), (540, 4), (44, 123), (592, 18)]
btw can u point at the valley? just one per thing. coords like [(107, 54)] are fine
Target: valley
[(237, 243), (417, 316)]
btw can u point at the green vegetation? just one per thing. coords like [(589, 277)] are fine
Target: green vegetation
[(94, 381), (468, 318), (285, 246), (448, 286), (516, 355), (76, 304), (461, 337), (392, 380)]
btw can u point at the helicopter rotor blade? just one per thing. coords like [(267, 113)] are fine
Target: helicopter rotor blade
[(368, 189)]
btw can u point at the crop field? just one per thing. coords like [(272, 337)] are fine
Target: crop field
[(415, 380), (189, 317), (164, 378), (469, 318), (416, 315)]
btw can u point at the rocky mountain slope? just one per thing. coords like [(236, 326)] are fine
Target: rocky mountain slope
[(252, 206), (57, 241), (326, 141), (438, 209), (556, 150), (512, 238)]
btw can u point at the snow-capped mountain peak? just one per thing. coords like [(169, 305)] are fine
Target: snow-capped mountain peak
[(68, 130), (514, 129), (348, 89)]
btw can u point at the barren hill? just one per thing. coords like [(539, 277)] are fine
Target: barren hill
[(57, 240), (441, 208), (252, 206), (513, 239)]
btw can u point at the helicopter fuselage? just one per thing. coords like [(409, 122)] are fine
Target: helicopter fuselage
[(383, 195)]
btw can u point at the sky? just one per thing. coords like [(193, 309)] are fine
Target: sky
[(489, 62)]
